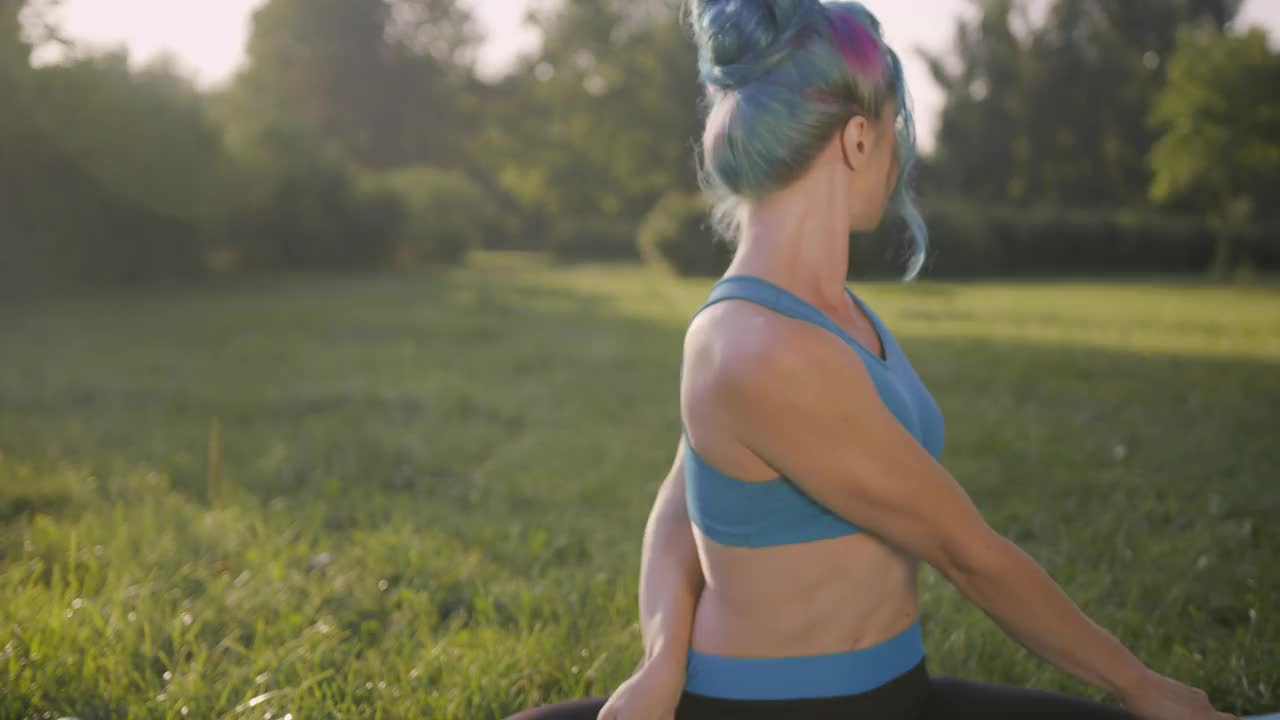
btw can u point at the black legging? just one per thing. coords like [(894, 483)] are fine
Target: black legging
[(914, 695)]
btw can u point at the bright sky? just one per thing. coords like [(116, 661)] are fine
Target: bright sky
[(208, 36)]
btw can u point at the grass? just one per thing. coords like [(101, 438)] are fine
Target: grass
[(430, 490)]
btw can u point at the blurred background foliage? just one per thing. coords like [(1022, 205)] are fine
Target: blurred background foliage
[(1093, 137), (401, 462)]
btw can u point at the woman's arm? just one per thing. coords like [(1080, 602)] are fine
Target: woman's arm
[(798, 401), (670, 575), (670, 583)]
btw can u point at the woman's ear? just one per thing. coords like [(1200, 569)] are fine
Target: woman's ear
[(853, 142)]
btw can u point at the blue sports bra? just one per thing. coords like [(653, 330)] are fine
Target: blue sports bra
[(777, 512)]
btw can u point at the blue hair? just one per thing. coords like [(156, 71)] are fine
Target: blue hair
[(781, 77)]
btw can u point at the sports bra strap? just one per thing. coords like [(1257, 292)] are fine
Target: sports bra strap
[(763, 292)]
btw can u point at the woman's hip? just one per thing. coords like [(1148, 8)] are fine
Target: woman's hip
[(902, 697), (845, 674)]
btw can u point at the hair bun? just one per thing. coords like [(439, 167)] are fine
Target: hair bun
[(740, 40)]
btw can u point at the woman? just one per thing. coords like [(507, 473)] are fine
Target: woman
[(779, 562)]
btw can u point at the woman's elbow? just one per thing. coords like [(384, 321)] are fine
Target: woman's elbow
[(978, 555)]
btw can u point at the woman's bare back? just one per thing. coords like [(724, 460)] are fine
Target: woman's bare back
[(809, 598)]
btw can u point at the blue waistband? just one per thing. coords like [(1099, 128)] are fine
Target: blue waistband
[(807, 676)]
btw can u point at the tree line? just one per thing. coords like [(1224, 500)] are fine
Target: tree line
[(1138, 136)]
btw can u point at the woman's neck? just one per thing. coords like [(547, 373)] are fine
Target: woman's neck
[(799, 239)]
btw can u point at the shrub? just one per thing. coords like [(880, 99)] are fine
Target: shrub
[(677, 235), (584, 239), (1261, 245), (965, 241), (60, 228), (446, 214), (308, 211), (320, 220)]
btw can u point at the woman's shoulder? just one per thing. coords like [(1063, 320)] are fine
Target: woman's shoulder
[(736, 335), (740, 353)]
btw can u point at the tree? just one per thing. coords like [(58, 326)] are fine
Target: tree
[(1220, 148), (442, 29), (979, 133), (110, 176), (14, 52), (22, 24), (380, 78), (1054, 113), (602, 121), (146, 136), (1096, 68)]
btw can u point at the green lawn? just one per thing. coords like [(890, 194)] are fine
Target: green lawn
[(430, 489)]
